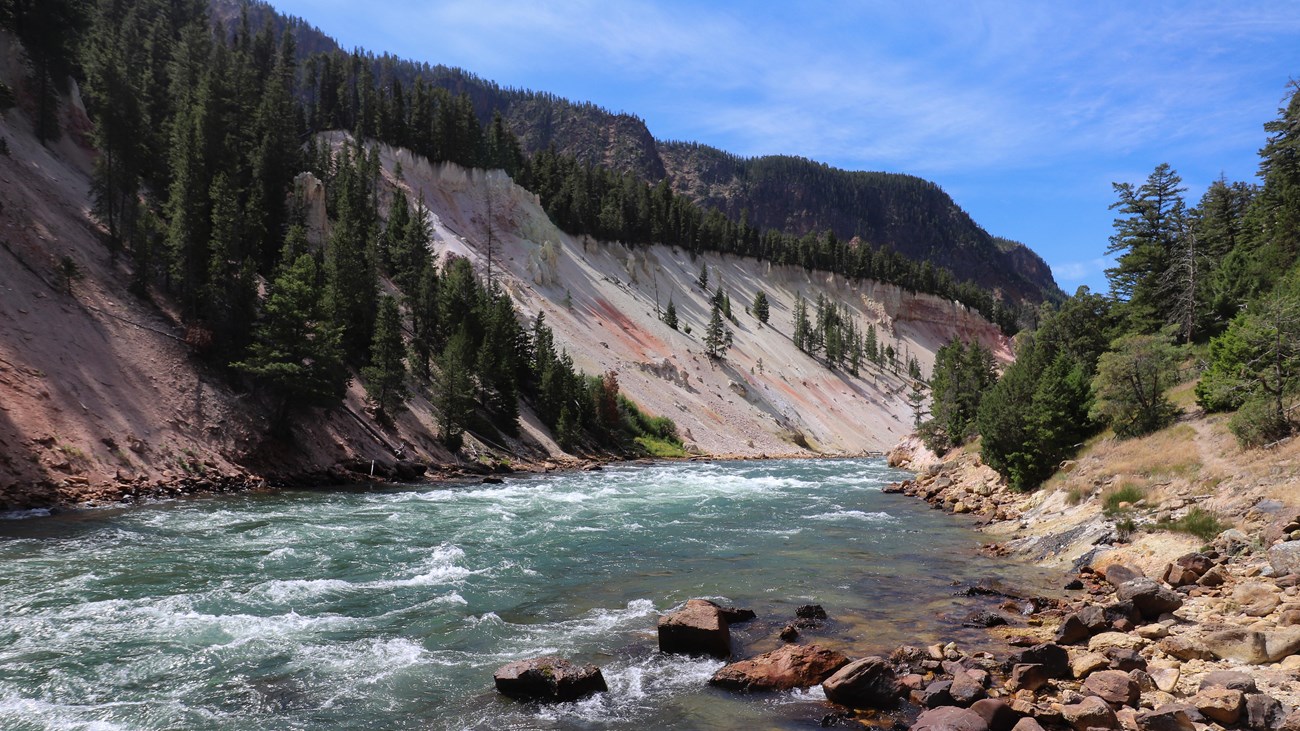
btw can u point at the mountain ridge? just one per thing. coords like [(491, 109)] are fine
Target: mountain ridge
[(902, 212)]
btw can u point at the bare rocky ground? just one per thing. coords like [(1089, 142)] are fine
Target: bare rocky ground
[(1159, 629)]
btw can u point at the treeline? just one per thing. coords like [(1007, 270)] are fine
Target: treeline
[(595, 201), (202, 130), (1209, 291)]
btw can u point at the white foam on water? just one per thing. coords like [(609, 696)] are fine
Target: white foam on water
[(877, 517), (25, 514)]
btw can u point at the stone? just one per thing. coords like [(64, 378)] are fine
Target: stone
[(1145, 682), (936, 694), (866, 683), (1216, 576), (549, 678), (1027, 676), (1094, 618), (1253, 646), (1091, 712), (1166, 679), (789, 633), (996, 713), (811, 611), (1291, 722), (1113, 686), (1263, 712), (950, 718), (1285, 558), (1256, 599), (1088, 663), (1126, 659), (1108, 640), (1149, 597), (1072, 630), (1197, 563), (965, 689), (1118, 573), (1054, 659), (1120, 612), (985, 618), (1027, 724), (1175, 575), (1232, 679), (1171, 719), (699, 628), (791, 666), (1222, 705), (1185, 648), (1152, 631)]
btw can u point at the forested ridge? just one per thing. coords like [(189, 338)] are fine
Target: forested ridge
[(903, 216), (1205, 291), (201, 130)]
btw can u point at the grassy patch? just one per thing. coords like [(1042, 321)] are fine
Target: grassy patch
[(1200, 523), (660, 447), (1114, 498), (1075, 494)]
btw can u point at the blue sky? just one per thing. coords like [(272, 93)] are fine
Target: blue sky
[(1024, 112)]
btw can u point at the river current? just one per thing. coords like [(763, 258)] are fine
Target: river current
[(390, 608)]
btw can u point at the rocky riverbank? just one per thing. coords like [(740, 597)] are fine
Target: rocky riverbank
[(1204, 637)]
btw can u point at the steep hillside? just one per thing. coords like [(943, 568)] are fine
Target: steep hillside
[(910, 215)]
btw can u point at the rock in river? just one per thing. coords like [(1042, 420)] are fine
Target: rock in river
[(700, 628), (549, 678), (792, 666), (866, 683)]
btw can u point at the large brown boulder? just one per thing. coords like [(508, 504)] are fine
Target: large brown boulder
[(1149, 596), (1165, 719), (792, 666), (699, 628), (1091, 712), (950, 718), (866, 683), (549, 678), (1252, 646), (1223, 705), (1113, 686), (1054, 659)]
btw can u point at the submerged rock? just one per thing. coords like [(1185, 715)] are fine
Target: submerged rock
[(792, 666), (549, 678)]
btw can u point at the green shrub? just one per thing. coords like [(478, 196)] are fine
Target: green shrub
[(1126, 493), (1257, 423), (1200, 523)]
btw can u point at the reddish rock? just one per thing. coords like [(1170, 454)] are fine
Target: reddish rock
[(950, 718), (1072, 630), (1113, 686), (1232, 679), (1263, 712), (996, 713), (1027, 724), (549, 678), (792, 666), (1149, 597), (1117, 574), (965, 689), (1223, 705), (1165, 719), (1054, 659), (866, 683), (699, 628), (1028, 676), (1091, 712)]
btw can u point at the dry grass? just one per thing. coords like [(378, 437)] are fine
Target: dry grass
[(1168, 453)]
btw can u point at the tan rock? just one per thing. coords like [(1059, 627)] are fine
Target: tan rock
[(1106, 640), (1088, 663), (1223, 705), (1166, 679)]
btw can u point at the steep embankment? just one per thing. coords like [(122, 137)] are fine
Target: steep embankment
[(103, 399), (765, 397)]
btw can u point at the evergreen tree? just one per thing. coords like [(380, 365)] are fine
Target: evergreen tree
[(385, 377), (1145, 240), (454, 397), (296, 351), (702, 280), (761, 306), (717, 336), (1131, 381), (670, 315)]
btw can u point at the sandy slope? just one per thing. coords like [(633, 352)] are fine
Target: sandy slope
[(100, 398), (601, 300)]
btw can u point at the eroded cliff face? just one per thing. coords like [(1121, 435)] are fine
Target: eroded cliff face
[(603, 300), (101, 397)]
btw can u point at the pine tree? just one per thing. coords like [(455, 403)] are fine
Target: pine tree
[(454, 397), (760, 307), (296, 351), (385, 377), (670, 315), (717, 336), (702, 279), (1145, 241)]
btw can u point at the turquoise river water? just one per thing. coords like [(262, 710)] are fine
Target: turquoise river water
[(390, 608)]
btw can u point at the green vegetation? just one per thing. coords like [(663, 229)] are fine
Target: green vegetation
[(962, 373), (1112, 501), (1200, 523)]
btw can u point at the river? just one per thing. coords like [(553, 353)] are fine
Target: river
[(389, 608)]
